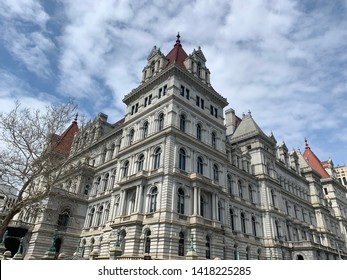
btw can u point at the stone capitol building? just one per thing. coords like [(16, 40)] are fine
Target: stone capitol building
[(181, 176)]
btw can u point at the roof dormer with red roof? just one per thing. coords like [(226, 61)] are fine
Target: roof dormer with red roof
[(195, 63), (313, 161)]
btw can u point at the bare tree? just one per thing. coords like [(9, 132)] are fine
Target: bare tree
[(30, 158)]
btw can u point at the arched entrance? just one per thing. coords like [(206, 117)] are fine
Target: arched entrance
[(12, 244)]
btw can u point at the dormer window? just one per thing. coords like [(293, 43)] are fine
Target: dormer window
[(131, 136), (152, 68), (182, 90), (199, 70)]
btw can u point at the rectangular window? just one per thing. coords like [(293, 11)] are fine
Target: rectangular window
[(211, 110), (164, 91), (182, 90), (149, 99), (146, 100), (215, 112), (136, 107), (202, 104), (197, 101), (187, 93), (132, 110), (160, 91)]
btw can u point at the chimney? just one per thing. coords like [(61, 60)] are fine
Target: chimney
[(230, 121)]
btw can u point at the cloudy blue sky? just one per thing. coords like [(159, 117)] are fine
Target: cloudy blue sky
[(285, 61)]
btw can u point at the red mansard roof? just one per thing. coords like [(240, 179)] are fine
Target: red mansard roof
[(63, 143), (177, 54), (314, 162)]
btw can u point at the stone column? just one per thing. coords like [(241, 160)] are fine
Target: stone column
[(140, 199), (195, 199)]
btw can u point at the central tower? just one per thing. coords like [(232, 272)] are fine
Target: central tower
[(171, 158)]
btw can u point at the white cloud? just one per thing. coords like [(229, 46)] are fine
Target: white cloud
[(283, 60), (31, 49), (26, 10)]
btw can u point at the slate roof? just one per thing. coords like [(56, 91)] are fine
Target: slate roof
[(313, 161), (246, 129), (177, 54)]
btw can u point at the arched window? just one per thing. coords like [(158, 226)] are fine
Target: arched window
[(247, 253), (200, 166), (152, 68), (97, 185), (259, 254), (91, 246), (83, 247), (243, 222), (145, 129), (198, 132), (86, 189), (250, 193), (103, 156), (182, 122), (91, 217), (232, 219), (198, 69), (157, 154), (213, 140), (125, 169), (113, 147), (180, 201), (277, 228), (122, 236), (132, 199), (99, 215), (140, 162), (57, 245), (215, 173), (153, 200), (161, 121), (273, 198), (254, 226), (182, 160), (208, 247), (240, 189), (219, 211), (148, 242), (230, 184), (202, 206), (181, 244), (107, 212), (131, 136), (63, 219), (107, 176)]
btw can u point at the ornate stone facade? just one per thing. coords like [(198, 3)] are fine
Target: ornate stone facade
[(177, 178)]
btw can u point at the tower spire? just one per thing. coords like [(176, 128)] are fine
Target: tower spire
[(307, 147), (76, 117), (178, 41)]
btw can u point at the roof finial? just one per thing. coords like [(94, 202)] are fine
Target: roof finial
[(76, 117), (306, 144), (178, 42)]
